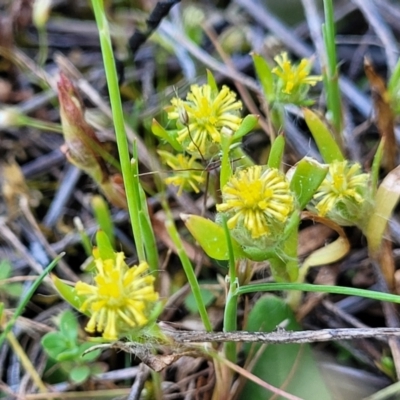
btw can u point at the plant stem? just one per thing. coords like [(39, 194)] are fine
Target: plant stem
[(331, 75), (118, 117), (230, 312), (187, 266), (307, 287)]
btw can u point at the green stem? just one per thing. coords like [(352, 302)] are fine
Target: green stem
[(226, 167), (230, 312), (43, 45), (118, 117), (307, 287), (187, 267), (41, 125), (331, 73)]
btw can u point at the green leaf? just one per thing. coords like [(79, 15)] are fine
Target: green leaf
[(264, 74), (211, 237), (103, 217), (290, 367), (247, 125), (71, 354), (168, 136), (104, 246), (54, 344), (69, 326), (327, 146), (91, 356), (386, 199), (211, 81), (80, 373), (306, 179), (68, 293), (276, 154)]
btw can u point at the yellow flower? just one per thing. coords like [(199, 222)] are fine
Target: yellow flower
[(121, 298), (342, 192), (293, 77), (188, 174), (258, 199), (203, 114)]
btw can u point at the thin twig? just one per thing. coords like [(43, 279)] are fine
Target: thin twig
[(282, 336), (63, 267), (137, 387)]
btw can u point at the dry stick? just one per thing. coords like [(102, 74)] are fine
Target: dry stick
[(391, 13), (372, 15), (64, 192), (282, 336), (141, 377), (343, 315), (8, 235)]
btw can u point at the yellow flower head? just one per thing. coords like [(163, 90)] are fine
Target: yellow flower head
[(342, 193), (294, 78), (204, 113), (188, 174), (257, 199), (120, 299)]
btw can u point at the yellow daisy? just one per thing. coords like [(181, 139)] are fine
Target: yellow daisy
[(257, 199), (203, 114), (343, 190), (120, 299), (293, 77)]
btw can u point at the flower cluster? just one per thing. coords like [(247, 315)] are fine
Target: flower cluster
[(342, 194), (257, 200), (121, 298), (294, 81), (202, 116)]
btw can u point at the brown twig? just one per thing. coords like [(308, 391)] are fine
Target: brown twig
[(282, 336)]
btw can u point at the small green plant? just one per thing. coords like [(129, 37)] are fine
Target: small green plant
[(259, 208), (66, 349)]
